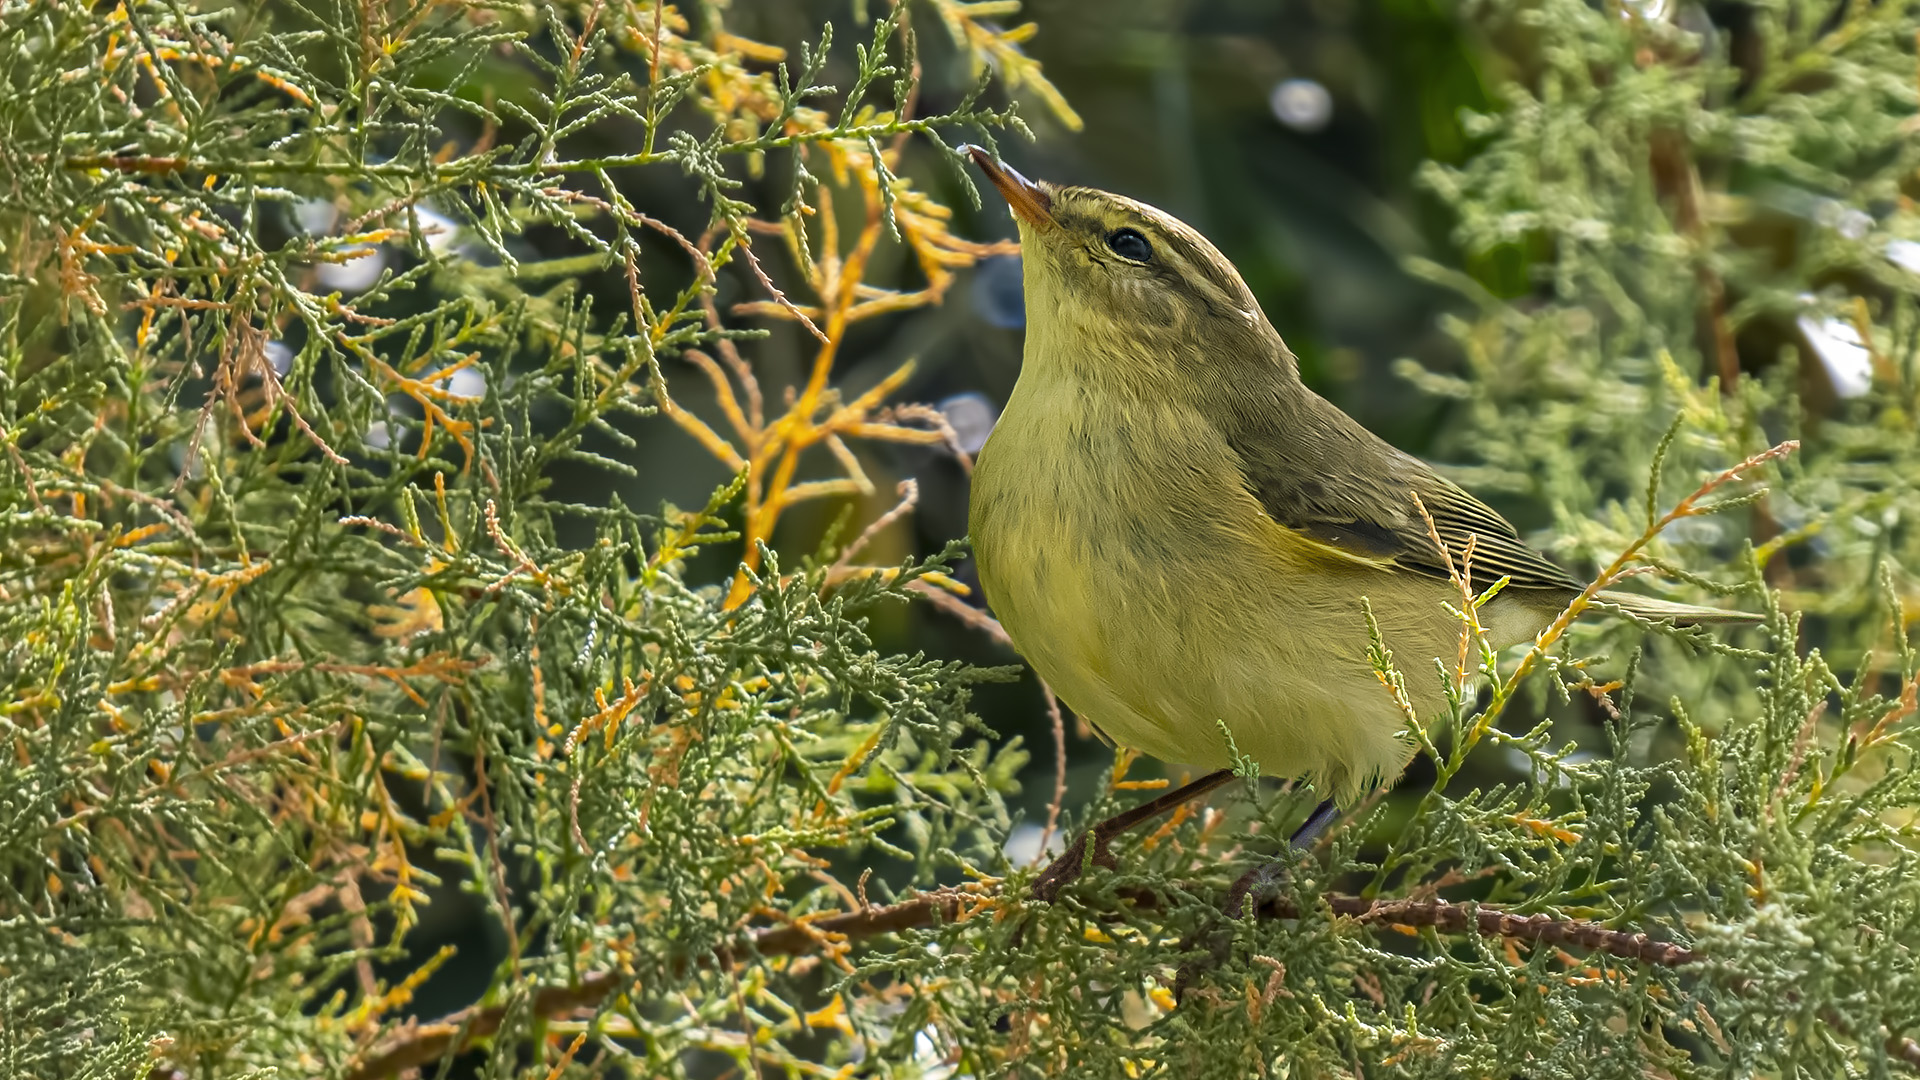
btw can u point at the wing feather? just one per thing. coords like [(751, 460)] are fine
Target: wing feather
[(1339, 485), (1498, 550)]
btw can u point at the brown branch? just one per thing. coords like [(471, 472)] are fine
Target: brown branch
[(942, 905), (1492, 922), (277, 395), (419, 1044)]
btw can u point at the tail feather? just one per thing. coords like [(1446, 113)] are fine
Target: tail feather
[(1647, 607)]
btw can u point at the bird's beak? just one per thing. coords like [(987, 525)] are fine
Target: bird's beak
[(1029, 201)]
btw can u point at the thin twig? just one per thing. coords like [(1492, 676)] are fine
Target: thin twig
[(701, 263), (730, 355), (760, 274), (960, 609), (1059, 769), (1616, 571), (909, 493), (938, 420)]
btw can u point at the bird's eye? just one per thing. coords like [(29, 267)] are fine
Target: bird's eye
[(1130, 245)]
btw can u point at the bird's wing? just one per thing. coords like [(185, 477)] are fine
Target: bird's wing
[(1367, 512), (1457, 516)]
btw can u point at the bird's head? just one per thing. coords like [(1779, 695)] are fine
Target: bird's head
[(1117, 287)]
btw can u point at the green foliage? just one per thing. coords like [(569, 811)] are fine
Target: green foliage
[(302, 650), (293, 656)]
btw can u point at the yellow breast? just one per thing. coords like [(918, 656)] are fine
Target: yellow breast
[(1119, 546)]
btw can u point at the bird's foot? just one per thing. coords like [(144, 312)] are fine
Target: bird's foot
[(1248, 893), (1090, 847), (1262, 882)]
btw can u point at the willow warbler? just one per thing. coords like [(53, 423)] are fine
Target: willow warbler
[(1176, 532)]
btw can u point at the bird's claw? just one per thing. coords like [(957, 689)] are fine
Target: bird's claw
[(1257, 885)]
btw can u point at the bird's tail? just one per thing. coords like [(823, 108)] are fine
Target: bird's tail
[(1646, 607)]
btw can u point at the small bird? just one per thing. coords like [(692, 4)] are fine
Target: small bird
[(1177, 533)]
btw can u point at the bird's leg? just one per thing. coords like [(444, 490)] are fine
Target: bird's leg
[(1258, 883), (1091, 846)]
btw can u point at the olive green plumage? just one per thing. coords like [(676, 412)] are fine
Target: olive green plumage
[(1175, 531)]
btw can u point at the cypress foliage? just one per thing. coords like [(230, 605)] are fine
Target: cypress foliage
[(304, 310)]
